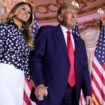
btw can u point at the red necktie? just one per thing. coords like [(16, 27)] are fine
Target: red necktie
[(71, 79)]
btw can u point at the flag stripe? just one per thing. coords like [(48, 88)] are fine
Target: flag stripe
[(26, 99), (82, 99), (27, 92), (99, 83), (95, 92), (98, 87), (98, 68), (28, 84), (95, 100)]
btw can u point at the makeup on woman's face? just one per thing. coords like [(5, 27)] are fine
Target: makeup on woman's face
[(24, 13)]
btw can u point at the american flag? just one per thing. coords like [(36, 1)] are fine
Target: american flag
[(27, 92), (28, 83), (35, 29), (75, 30), (98, 70)]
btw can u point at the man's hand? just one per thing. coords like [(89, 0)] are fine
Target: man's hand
[(88, 100), (41, 91)]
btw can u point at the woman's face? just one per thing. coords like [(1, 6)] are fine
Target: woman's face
[(23, 13)]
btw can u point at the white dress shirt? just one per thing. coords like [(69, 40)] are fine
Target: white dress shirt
[(64, 30)]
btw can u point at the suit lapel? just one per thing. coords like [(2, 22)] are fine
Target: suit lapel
[(76, 43), (63, 43), (62, 40), (76, 51)]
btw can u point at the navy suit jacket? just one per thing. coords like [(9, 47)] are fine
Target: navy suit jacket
[(51, 65)]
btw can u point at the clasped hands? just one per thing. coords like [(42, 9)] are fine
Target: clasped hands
[(41, 92)]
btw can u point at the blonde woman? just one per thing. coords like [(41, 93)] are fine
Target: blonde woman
[(15, 45)]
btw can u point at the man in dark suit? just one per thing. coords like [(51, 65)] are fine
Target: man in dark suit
[(59, 64)]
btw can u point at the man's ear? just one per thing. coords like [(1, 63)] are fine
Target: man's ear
[(60, 18)]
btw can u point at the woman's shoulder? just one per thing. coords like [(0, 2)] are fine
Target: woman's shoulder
[(6, 26)]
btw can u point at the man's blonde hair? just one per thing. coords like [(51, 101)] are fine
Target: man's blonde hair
[(65, 6)]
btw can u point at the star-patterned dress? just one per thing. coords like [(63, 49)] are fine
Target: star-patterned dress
[(14, 63), (13, 48)]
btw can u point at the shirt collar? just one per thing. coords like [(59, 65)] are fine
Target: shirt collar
[(64, 29), (11, 21)]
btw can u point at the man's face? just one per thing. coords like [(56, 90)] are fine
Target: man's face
[(69, 17)]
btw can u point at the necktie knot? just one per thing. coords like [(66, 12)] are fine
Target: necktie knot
[(68, 38), (68, 32)]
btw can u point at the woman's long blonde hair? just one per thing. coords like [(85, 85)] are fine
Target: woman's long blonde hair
[(28, 26)]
